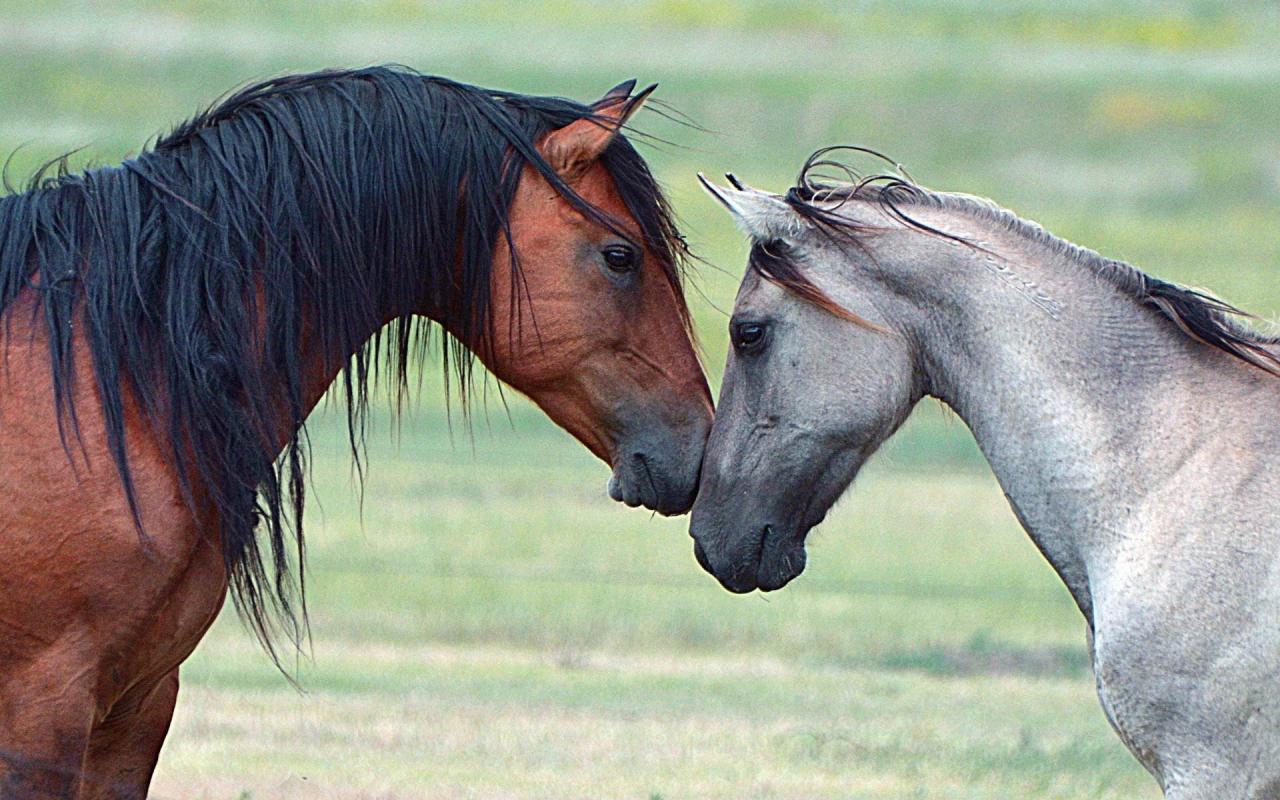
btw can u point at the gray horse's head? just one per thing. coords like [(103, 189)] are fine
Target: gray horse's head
[(818, 376)]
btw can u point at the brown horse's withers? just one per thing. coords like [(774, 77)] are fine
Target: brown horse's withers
[(109, 584)]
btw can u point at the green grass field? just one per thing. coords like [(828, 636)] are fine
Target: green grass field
[(492, 626)]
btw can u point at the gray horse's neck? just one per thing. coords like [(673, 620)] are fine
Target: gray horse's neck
[(1088, 406)]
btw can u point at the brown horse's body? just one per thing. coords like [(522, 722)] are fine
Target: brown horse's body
[(95, 619)]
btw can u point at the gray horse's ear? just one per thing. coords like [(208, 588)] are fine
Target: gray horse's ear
[(759, 214)]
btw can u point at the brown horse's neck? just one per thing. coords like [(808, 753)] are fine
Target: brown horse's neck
[(321, 368)]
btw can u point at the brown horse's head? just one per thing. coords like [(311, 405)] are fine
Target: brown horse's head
[(589, 319)]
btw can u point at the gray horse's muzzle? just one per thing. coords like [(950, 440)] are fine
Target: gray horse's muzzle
[(745, 559)]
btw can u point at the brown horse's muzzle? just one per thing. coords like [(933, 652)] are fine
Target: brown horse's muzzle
[(657, 466)]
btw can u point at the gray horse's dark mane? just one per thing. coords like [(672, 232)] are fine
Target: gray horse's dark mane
[(1193, 312)]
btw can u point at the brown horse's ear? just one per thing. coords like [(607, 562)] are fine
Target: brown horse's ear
[(620, 92), (575, 147)]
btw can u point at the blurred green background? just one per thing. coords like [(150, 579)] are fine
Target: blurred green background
[(491, 625)]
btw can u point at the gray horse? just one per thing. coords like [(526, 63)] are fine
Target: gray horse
[(1134, 427)]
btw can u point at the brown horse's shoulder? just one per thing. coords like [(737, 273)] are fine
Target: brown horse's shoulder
[(80, 578)]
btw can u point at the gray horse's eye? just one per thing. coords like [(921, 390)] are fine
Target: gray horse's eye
[(748, 336)]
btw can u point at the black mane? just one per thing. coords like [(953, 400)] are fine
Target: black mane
[(315, 207), (825, 180)]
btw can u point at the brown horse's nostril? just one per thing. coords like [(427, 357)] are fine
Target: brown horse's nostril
[(645, 475)]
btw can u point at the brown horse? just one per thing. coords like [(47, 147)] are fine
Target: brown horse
[(169, 323)]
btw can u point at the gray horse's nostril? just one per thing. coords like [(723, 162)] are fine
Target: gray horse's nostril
[(701, 555)]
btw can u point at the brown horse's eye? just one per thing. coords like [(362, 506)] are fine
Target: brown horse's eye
[(748, 336), (621, 258)]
